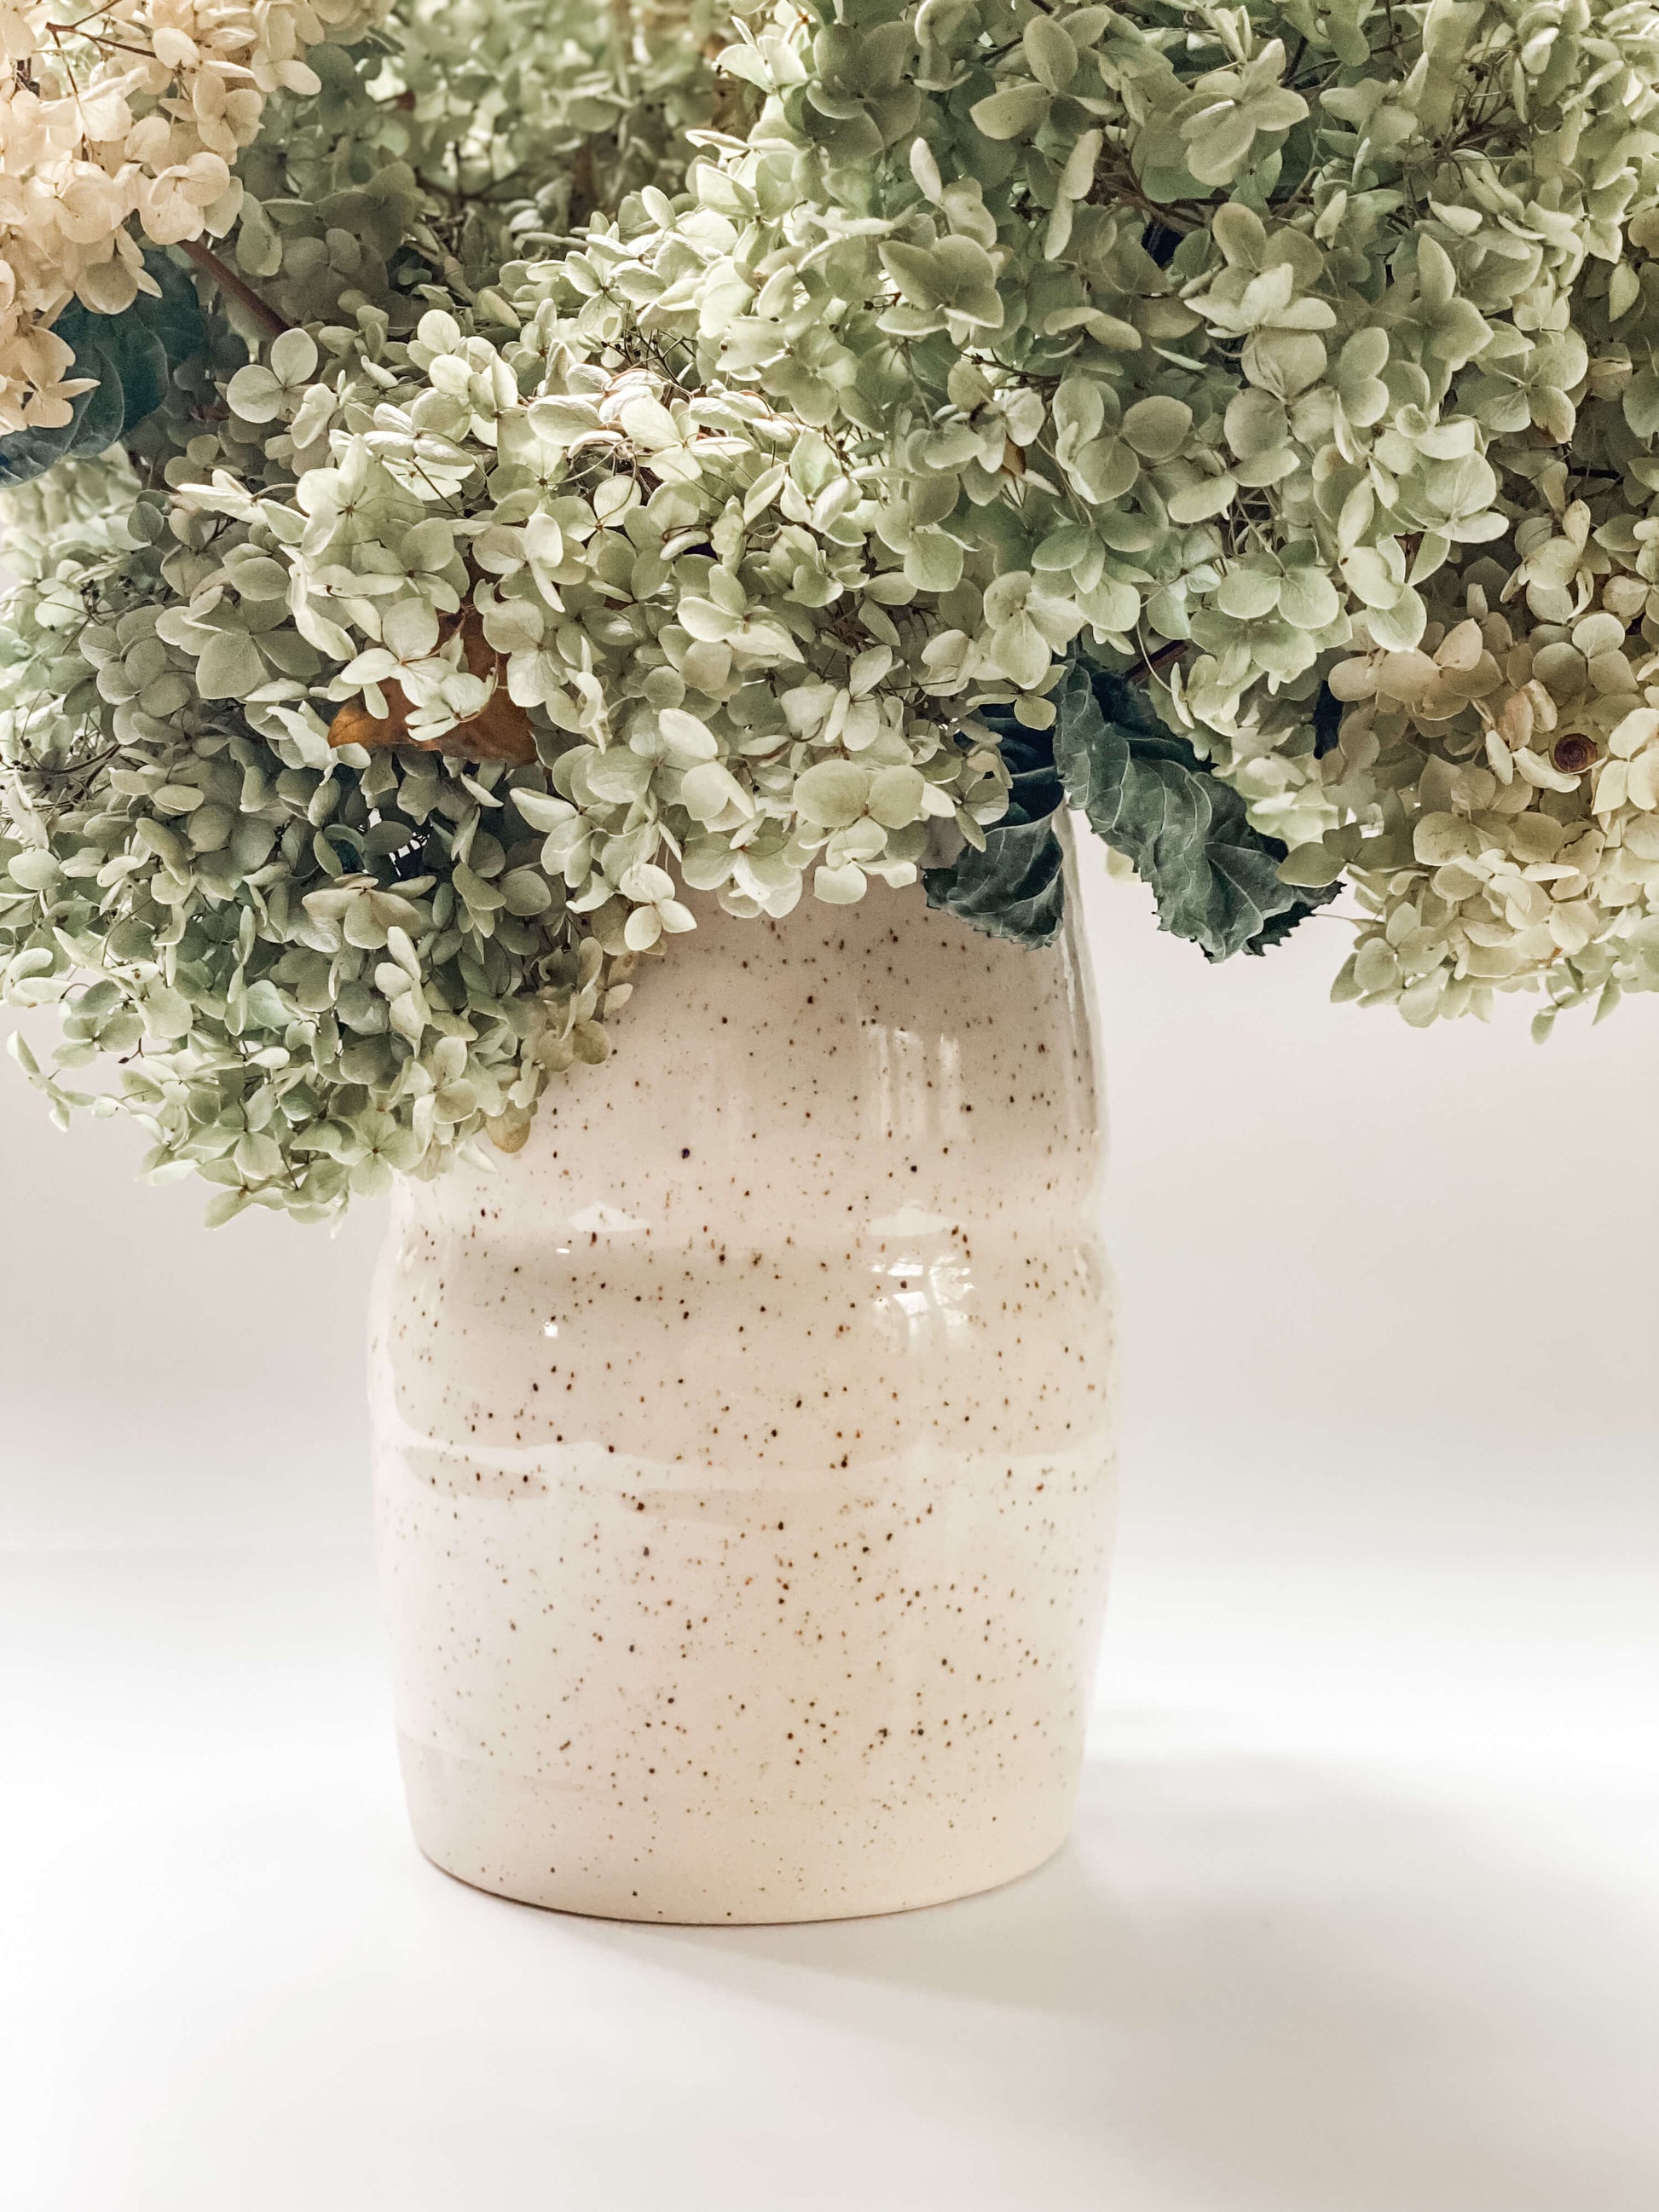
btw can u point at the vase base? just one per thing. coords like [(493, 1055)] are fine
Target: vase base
[(768, 1866)]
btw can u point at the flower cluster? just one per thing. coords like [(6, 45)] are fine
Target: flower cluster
[(698, 448), (308, 975), (307, 968), (686, 597), (1520, 742), (474, 131), (1286, 369), (126, 119)]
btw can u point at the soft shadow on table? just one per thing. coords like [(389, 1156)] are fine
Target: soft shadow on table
[(1274, 1990)]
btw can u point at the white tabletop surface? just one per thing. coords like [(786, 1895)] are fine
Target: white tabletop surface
[(1361, 1916)]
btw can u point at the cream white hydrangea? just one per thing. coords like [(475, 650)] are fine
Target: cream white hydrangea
[(122, 122)]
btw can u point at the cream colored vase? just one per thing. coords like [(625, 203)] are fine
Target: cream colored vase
[(743, 1444)]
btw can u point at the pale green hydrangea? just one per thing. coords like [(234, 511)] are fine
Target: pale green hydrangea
[(307, 974), (764, 411)]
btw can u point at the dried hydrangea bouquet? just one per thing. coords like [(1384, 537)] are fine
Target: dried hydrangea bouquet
[(496, 486)]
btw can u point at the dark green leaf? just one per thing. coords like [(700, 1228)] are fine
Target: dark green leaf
[(1016, 887), (132, 355), (1146, 791)]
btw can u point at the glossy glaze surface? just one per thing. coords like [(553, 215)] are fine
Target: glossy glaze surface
[(744, 1443)]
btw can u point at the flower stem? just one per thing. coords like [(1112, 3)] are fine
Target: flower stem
[(229, 282)]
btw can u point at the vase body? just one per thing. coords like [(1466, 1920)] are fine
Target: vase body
[(744, 1477)]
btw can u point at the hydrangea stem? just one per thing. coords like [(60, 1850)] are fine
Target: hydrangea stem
[(230, 283)]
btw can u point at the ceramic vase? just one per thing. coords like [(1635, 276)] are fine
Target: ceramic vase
[(743, 1444)]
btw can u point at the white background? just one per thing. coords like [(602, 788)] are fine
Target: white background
[(1361, 1913)]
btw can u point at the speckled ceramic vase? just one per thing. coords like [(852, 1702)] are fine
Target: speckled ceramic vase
[(743, 1460)]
